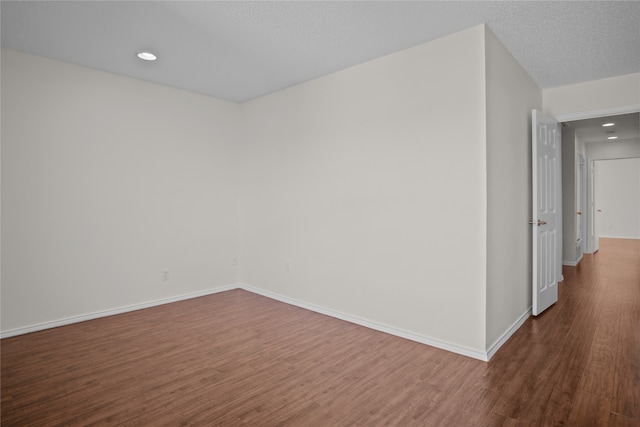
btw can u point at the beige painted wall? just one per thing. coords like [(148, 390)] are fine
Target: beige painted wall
[(605, 94), (617, 196), (106, 182), (570, 174), (623, 149), (364, 191), (511, 95)]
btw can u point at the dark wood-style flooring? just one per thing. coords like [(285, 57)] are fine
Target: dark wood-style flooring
[(239, 359)]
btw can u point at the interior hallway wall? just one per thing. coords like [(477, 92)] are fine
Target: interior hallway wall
[(617, 198), (511, 95), (569, 207)]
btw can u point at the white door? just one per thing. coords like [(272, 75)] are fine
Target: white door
[(547, 202), (595, 213), (581, 214)]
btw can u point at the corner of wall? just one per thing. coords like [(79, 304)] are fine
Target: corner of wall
[(511, 94), (108, 181), (352, 158)]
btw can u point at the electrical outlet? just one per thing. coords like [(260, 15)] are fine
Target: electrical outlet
[(234, 262), (165, 275), (288, 265)]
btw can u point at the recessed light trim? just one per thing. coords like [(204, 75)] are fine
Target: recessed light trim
[(608, 124), (612, 137), (147, 56)]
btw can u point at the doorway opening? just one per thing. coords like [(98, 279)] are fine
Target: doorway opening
[(587, 141)]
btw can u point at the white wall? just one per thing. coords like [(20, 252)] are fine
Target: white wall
[(569, 209), (106, 181), (370, 184), (608, 95), (511, 95), (617, 196), (613, 150)]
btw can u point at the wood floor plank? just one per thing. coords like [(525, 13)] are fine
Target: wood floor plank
[(617, 420), (240, 359), (589, 409)]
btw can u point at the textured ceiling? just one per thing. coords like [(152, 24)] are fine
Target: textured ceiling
[(240, 50)]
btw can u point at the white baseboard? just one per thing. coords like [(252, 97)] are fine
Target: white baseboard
[(507, 334), (371, 325), (572, 263), (111, 312), (465, 351)]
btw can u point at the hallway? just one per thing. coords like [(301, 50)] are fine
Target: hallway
[(582, 361)]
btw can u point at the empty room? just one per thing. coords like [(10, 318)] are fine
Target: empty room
[(222, 213)]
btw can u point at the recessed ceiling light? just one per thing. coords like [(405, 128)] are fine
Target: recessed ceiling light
[(613, 137), (147, 56), (608, 124)]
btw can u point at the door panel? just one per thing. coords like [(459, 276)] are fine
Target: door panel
[(581, 214), (546, 223), (594, 239)]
